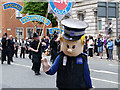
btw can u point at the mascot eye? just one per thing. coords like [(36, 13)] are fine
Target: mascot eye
[(67, 46), (73, 47)]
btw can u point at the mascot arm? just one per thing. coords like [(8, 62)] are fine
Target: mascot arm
[(54, 68), (87, 75)]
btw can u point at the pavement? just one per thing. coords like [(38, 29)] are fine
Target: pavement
[(104, 74)]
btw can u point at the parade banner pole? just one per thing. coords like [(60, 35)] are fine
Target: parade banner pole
[(12, 16), (44, 24), (42, 32), (35, 25)]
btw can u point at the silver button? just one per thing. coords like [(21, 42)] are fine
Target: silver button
[(70, 38)]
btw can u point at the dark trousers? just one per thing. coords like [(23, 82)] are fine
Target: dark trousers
[(119, 53), (53, 55), (12, 54), (4, 54), (36, 59), (107, 53), (90, 52), (85, 49), (16, 52), (30, 55), (22, 52), (36, 67)]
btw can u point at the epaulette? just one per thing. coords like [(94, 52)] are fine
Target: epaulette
[(85, 54)]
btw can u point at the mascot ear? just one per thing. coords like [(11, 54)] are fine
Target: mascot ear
[(83, 39)]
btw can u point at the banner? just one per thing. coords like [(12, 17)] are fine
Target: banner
[(60, 8), (52, 30), (12, 5), (35, 18)]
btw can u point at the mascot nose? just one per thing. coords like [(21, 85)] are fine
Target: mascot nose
[(69, 50)]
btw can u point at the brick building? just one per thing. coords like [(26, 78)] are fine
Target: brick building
[(10, 23)]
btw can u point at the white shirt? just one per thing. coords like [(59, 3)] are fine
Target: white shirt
[(90, 43)]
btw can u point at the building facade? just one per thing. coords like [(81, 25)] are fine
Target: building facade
[(86, 10), (10, 23)]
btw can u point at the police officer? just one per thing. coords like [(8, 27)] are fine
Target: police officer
[(35, 47), (12, 47), (6, 49), (53, 47)]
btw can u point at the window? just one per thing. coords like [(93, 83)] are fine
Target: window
[(19, 33), (99, 23), (81, 16), (29, 32), (18, 15)]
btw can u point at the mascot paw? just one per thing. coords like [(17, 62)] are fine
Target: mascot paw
[(46, 65)]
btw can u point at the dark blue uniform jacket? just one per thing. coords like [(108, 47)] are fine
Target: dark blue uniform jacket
[(75, 74)]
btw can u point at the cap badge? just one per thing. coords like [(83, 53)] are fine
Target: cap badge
[(71, 33)]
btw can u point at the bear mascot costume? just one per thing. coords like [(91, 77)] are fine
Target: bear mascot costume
[(70, 63)]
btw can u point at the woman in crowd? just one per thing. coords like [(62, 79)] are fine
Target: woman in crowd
[(90, 46)]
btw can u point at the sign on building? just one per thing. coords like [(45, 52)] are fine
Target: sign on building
[(8, 29), (52, 30), (35, 18), (12, 5)]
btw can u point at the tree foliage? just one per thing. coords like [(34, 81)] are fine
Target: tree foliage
[(38, 8)]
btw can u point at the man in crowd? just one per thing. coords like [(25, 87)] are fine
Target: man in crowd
[(12, 47), (22, 44), (100, 45), (110, 48), (36, 47), (117, 43), (53, 47), (6, 51)]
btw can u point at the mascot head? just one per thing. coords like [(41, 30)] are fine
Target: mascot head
[(73, 37)]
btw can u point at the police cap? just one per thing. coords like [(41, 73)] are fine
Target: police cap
[(73, 29)]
